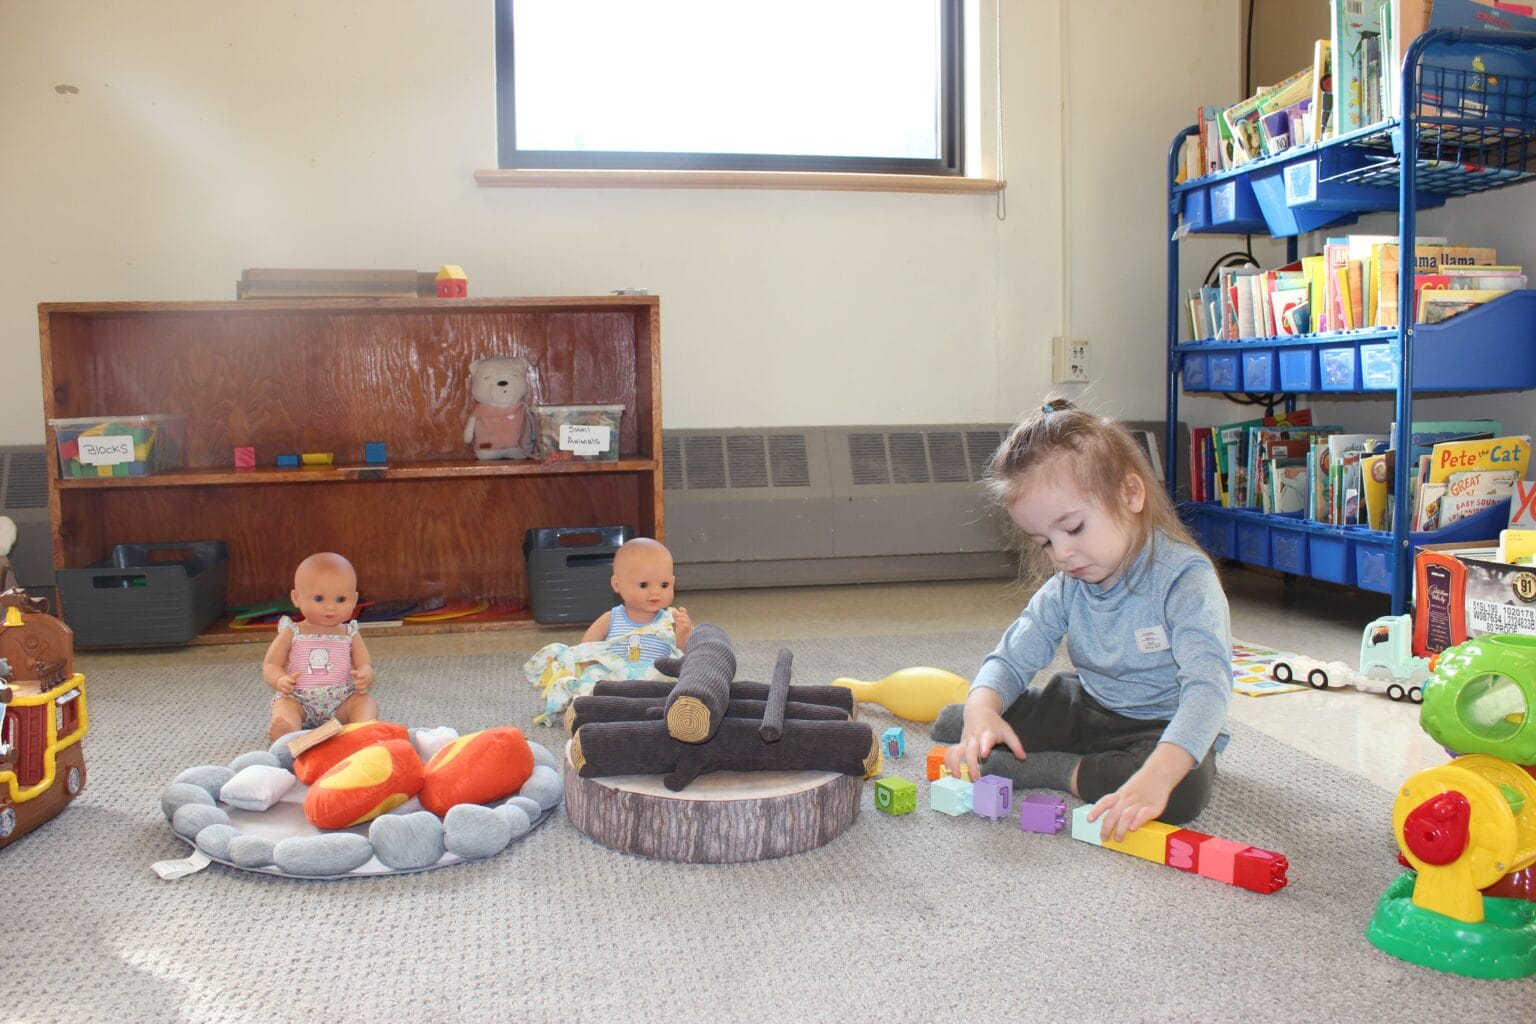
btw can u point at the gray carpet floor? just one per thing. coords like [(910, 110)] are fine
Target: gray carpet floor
[(914, 918)]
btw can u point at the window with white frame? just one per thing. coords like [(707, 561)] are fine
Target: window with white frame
[(867, 86)]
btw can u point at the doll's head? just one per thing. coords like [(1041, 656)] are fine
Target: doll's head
[(1079, 488), (642, 577), (325, 589)]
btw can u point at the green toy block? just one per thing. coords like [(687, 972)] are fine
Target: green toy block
[(895, 796), (950, 795)]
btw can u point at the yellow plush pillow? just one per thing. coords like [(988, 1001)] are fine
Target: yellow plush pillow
[(316, 761), (370, 782), (474, 769)]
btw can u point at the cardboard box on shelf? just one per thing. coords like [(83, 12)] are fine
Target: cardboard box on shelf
[(1461, 591)]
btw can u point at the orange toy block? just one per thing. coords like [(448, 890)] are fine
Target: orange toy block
[(935, 761)]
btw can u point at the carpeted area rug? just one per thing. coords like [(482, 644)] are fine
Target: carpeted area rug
[(914, 918)]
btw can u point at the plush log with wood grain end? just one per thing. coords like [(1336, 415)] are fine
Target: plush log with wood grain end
[(648, 748), (720, 819), (594, 708), (696, 705), (836, 696)]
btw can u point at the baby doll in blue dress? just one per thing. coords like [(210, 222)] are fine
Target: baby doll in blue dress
[(626, 640)]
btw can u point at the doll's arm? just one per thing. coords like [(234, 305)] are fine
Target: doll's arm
[(682, 626), (274, 667), (599, 629), (362, 665)]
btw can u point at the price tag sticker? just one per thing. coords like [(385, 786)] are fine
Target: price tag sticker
[(106, 449), (584, 438)]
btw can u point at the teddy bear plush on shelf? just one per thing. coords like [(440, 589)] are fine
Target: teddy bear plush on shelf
[(501, 425)]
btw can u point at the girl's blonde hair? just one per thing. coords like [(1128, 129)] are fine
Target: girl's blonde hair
[(1099, 454)]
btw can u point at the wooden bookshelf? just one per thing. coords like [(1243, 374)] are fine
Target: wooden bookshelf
[(330, 375)]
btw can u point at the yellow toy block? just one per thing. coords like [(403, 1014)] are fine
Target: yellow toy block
[(1150, 842), (319, 458)]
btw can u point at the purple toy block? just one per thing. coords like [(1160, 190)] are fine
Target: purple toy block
[(992, 797), (1040, 812)]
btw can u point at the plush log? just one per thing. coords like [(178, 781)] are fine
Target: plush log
[(646, 748), (639, 709), (836, 696), (696, 705), (778, 692)]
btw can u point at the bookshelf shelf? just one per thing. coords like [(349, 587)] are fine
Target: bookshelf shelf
[(330, 375), (1438, 150)]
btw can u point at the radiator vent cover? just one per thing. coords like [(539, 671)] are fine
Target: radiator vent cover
[(794, 493), (24, 493)]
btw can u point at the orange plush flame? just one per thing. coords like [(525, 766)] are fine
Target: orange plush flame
[(318, 760), (371, 782), (474, 769)]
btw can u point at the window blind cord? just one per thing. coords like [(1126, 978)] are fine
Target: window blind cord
[(997, 84)]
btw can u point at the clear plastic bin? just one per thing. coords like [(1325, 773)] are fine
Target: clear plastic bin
[(584, 433), (91, 446)]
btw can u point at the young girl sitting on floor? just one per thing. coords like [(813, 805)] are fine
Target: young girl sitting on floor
[(1136, 725)]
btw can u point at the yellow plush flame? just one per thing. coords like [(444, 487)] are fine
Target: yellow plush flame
[(384, 806), (368, 767), (450, 752)]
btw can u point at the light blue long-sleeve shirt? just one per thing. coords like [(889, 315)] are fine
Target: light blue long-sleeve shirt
[(1155, 645)]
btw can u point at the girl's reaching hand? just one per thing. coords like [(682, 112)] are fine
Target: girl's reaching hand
[(984, 729)]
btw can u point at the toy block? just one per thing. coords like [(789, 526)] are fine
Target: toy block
[(1150, 842), (1039, 812), (452, 282), (1082, 828), (319, 458), (992, 797), (951, 796), (1260, 870), (895, 796), (935, 761), (1216, 857), (287, 461), (894, 741), (245, 458), (373, 453), (1184, 849)]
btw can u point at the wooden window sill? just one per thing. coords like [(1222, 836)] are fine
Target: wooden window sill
[(793, 180)]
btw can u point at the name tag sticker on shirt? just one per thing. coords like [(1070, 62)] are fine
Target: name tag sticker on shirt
[(1151, 639)]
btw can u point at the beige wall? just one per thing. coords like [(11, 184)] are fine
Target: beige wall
[(206, 138)]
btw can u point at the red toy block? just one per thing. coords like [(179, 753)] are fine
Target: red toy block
[(1259, 870), (1184, 849), (245, 458), (935, 761)]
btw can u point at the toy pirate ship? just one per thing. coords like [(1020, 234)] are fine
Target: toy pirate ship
[(42, 716)]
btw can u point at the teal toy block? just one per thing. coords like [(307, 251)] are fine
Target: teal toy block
[(895, 796), (950, 795), (1082, 828), (894, 741)]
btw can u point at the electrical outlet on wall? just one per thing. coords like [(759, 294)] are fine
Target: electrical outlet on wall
[(1069, 360)]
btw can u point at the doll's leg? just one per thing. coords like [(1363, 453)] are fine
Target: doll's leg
[(360, 707), (287, 717)]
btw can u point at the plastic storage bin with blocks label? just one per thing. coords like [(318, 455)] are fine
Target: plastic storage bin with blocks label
[(91, 446), (580, 432)]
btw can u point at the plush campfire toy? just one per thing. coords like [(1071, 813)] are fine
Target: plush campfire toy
[(707, 722)]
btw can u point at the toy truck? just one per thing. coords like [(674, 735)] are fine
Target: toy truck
[(1387, 664)]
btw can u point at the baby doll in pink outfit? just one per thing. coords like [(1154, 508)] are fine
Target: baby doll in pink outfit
[(320, 667)]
